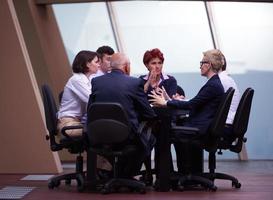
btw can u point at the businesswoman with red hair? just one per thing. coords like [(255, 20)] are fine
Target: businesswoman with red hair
[(153, 60)]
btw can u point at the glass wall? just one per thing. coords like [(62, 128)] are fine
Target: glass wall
[(181, 30), (84, 26), (244, 32)]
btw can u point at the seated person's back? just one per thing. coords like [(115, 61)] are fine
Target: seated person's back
[(117, 86)]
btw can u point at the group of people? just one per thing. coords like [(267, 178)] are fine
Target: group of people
[(104, 76)]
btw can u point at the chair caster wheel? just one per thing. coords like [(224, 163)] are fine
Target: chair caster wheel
[(213, 188), (67, 182), (236, 185), (52, 184), (142, 191), (104, 191)]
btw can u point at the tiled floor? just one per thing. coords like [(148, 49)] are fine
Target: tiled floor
[(256, 178)]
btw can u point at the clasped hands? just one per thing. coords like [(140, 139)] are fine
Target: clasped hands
[(159, 97)]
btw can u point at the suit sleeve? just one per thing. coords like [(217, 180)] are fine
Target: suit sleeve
[(206, 94)]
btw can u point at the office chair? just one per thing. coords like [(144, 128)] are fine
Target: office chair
[(74, 145), (240, 125), (188, 137), (108, 130), (179, 90)]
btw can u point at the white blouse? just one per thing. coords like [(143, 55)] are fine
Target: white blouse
[(75, 97)]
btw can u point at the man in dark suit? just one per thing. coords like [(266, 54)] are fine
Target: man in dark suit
[(204, 105), (119, 87)]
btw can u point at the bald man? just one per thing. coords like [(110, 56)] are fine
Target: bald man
[(117, 86)]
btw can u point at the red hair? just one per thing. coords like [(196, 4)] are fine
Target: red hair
[(153, 53)]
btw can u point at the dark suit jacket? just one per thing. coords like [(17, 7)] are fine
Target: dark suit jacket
[(203, 106), (128, 91)]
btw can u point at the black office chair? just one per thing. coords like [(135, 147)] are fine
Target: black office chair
[(240, 125), (179, 90), (188, 137), (108, 130), (74, 145)]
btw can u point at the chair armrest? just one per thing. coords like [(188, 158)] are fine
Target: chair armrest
[(185, 129), (64, 129), (184, 133), (237, 145), (180, 116)]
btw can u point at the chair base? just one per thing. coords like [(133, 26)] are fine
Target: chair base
[(192, 179), (116, 183), (56, 180), (213, 176)]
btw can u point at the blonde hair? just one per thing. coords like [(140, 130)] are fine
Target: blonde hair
[(215, 56)]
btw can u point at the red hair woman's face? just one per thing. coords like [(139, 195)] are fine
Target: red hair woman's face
[(155, 65)]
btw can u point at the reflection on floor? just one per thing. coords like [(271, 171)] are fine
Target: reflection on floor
[(256, 178)]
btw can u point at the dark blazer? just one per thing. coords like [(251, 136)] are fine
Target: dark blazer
[(128, 91), (203, 106), (170, 84)]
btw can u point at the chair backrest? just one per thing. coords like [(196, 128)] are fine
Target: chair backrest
[(240, 122), (50, 109), (179, 90), (107, 124), (60, 96), (241, 118), (218, 123)]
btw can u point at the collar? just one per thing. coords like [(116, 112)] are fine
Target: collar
[(224, 72), (214, 77), (117, 71)]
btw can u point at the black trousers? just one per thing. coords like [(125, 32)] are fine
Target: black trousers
[(189, 158)]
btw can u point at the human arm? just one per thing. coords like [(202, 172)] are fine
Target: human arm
[(152, 81), (207, 93), (81, 87)]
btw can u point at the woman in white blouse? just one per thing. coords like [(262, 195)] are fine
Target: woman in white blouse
[(76, 92)]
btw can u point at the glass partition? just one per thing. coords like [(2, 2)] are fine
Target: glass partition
[(181, 30), (84, 26), (178, 28), (245, 32)]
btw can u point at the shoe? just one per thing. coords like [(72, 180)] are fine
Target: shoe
[(147, 179)]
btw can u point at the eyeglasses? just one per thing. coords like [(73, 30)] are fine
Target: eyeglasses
[(203, 62)]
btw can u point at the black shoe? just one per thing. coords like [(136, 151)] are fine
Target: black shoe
[(147, 179)]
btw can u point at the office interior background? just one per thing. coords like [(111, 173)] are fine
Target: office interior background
[(183, 30), (40, 38)]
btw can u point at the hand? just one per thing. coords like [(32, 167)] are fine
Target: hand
[(157, 99), (178, 97), (153, 79), (163, 93)]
